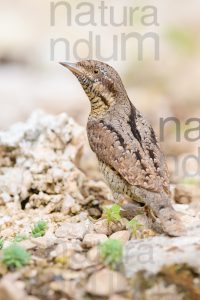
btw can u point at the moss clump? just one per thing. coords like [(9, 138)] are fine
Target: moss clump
[(39, 228), (15, 256), (20, 237)]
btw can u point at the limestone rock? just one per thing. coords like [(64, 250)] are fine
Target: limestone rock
[(93, 239), (186, 193), (44, 241), (27, 244), (102, 226), (68, 288), (122, 236), (106, 282), (153, 253), (39, 162), (73, 230), (94, 254), (79, 261), (13, 289)]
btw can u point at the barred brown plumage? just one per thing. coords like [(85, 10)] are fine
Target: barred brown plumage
[(125, 143)]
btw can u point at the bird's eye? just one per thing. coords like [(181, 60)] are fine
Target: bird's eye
[(96, 71)]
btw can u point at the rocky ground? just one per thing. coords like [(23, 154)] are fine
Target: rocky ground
[(43, 177)]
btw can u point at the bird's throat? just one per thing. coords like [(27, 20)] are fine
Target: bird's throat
[(101, 99), (99, 105)]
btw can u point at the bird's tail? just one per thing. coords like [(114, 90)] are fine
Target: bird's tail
[(161, 206)]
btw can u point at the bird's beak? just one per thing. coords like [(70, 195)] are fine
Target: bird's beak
[(72, 67)]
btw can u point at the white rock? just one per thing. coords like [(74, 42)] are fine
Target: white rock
[(93, 239), (5, 219), (73, 230), (39, 165), (66, 247), (101, 226), (106, 282), (68, 202), (76, 208), (27, 244), (68, 288), (9, 290), (78, 261), (152, 254), (93, 254), (44, 241), (5, 197), (122, 236)]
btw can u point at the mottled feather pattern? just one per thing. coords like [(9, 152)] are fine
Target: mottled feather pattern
[(130, 152), (125, 144)]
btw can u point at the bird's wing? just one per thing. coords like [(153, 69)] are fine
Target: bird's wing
[(129, 146)]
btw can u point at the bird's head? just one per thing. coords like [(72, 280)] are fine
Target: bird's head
[(101, 83)]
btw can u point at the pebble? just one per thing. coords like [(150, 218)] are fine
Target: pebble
[(44, 241), (144, 221), (68, 202), (66, 247), (93, 254), (106, 282), (93, 239), (185, 193), (78, 261), (13, 290), (123, 236), (73, 230), (102, 226), (10, 291), (68, 288), (6, 197), (27, 244)]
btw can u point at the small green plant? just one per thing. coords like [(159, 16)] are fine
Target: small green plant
[(1, 244), (39, 228), (112, 214), (111, 252), (134, 225), (20, 237), (15, 256)]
